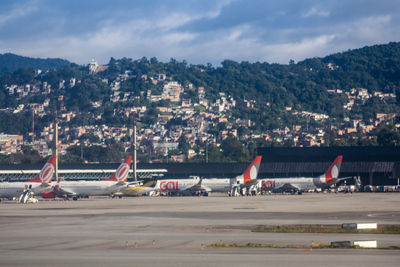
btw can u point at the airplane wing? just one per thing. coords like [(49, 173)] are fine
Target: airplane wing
[(288, 188), (251, 182), (135, 183), (60, 192), (135, 187), (337, 180), (344, 178), (41, 188), (199, 187)]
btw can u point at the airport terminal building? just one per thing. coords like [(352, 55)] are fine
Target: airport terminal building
[(373, 165)]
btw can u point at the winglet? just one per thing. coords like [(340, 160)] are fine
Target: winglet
[(334, 169), (251, 172), (46, 174), (121, 174)]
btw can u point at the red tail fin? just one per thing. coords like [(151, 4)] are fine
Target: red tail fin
[(46, 174), (252, 171), (333, 171), (121, 175)]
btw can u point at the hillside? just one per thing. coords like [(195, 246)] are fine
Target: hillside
[(348, 98), (11, 62)]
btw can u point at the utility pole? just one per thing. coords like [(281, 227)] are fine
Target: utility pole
[(33, 127), (206, 152), (56, 147), (81, 151), (134, 152)]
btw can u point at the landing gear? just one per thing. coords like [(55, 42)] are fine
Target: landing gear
[(234, 192), (244, 191)]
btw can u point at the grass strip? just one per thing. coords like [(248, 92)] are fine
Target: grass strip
[(221, 244), (319, 228)]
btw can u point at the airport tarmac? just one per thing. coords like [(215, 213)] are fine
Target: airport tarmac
[(175, 231)]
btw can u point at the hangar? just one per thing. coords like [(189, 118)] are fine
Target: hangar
[(374, 165)]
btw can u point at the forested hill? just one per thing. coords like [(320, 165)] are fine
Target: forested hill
[(373, 67), (347, 98), (321, 85), (301, 86), (10, 63)]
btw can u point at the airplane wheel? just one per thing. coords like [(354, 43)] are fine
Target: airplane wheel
[(119, 196), (75, 198)]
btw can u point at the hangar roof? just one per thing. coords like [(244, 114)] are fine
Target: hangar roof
[(326, 154)]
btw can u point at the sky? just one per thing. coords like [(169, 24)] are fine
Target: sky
[(198, 31)]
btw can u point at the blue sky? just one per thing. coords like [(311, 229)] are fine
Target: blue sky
[(198, 31)]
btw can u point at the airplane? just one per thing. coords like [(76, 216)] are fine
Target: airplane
[(166, 186), (196, 185), (25, 190), (301, 184), (75, 189)]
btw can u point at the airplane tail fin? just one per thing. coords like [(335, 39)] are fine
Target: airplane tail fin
[(46, 174), (251, 172), (121, 174), (333, 172)]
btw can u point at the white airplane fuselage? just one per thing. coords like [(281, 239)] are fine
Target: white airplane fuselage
[(90, 188), (180, 186), (217, 184), (175, 185), (15, 189), (300, 183)]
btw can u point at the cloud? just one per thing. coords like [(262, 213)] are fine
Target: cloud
[(18, 12), (138, 36), (371, 28), (308, 47), (197, 31), (314, 11)]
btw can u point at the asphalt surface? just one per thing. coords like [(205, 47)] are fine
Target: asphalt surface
[(176, 231)]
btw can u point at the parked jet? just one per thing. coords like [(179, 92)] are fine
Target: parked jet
[(300, 184), (24, 190), (75, 189), (197, 185), (166, 186)]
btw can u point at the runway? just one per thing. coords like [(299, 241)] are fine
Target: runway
[(175, 231)]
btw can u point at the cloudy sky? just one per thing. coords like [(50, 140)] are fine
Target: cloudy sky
[(199, 31)]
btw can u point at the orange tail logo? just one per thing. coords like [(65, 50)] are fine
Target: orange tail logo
[(252, 171), (333, 171), (121, 175)]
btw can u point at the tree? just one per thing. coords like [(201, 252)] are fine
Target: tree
[(214, 154), (183, 144), (233, 150), (388, 136), (30, 155)]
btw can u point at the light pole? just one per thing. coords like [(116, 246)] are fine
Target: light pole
[(134, 152)]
